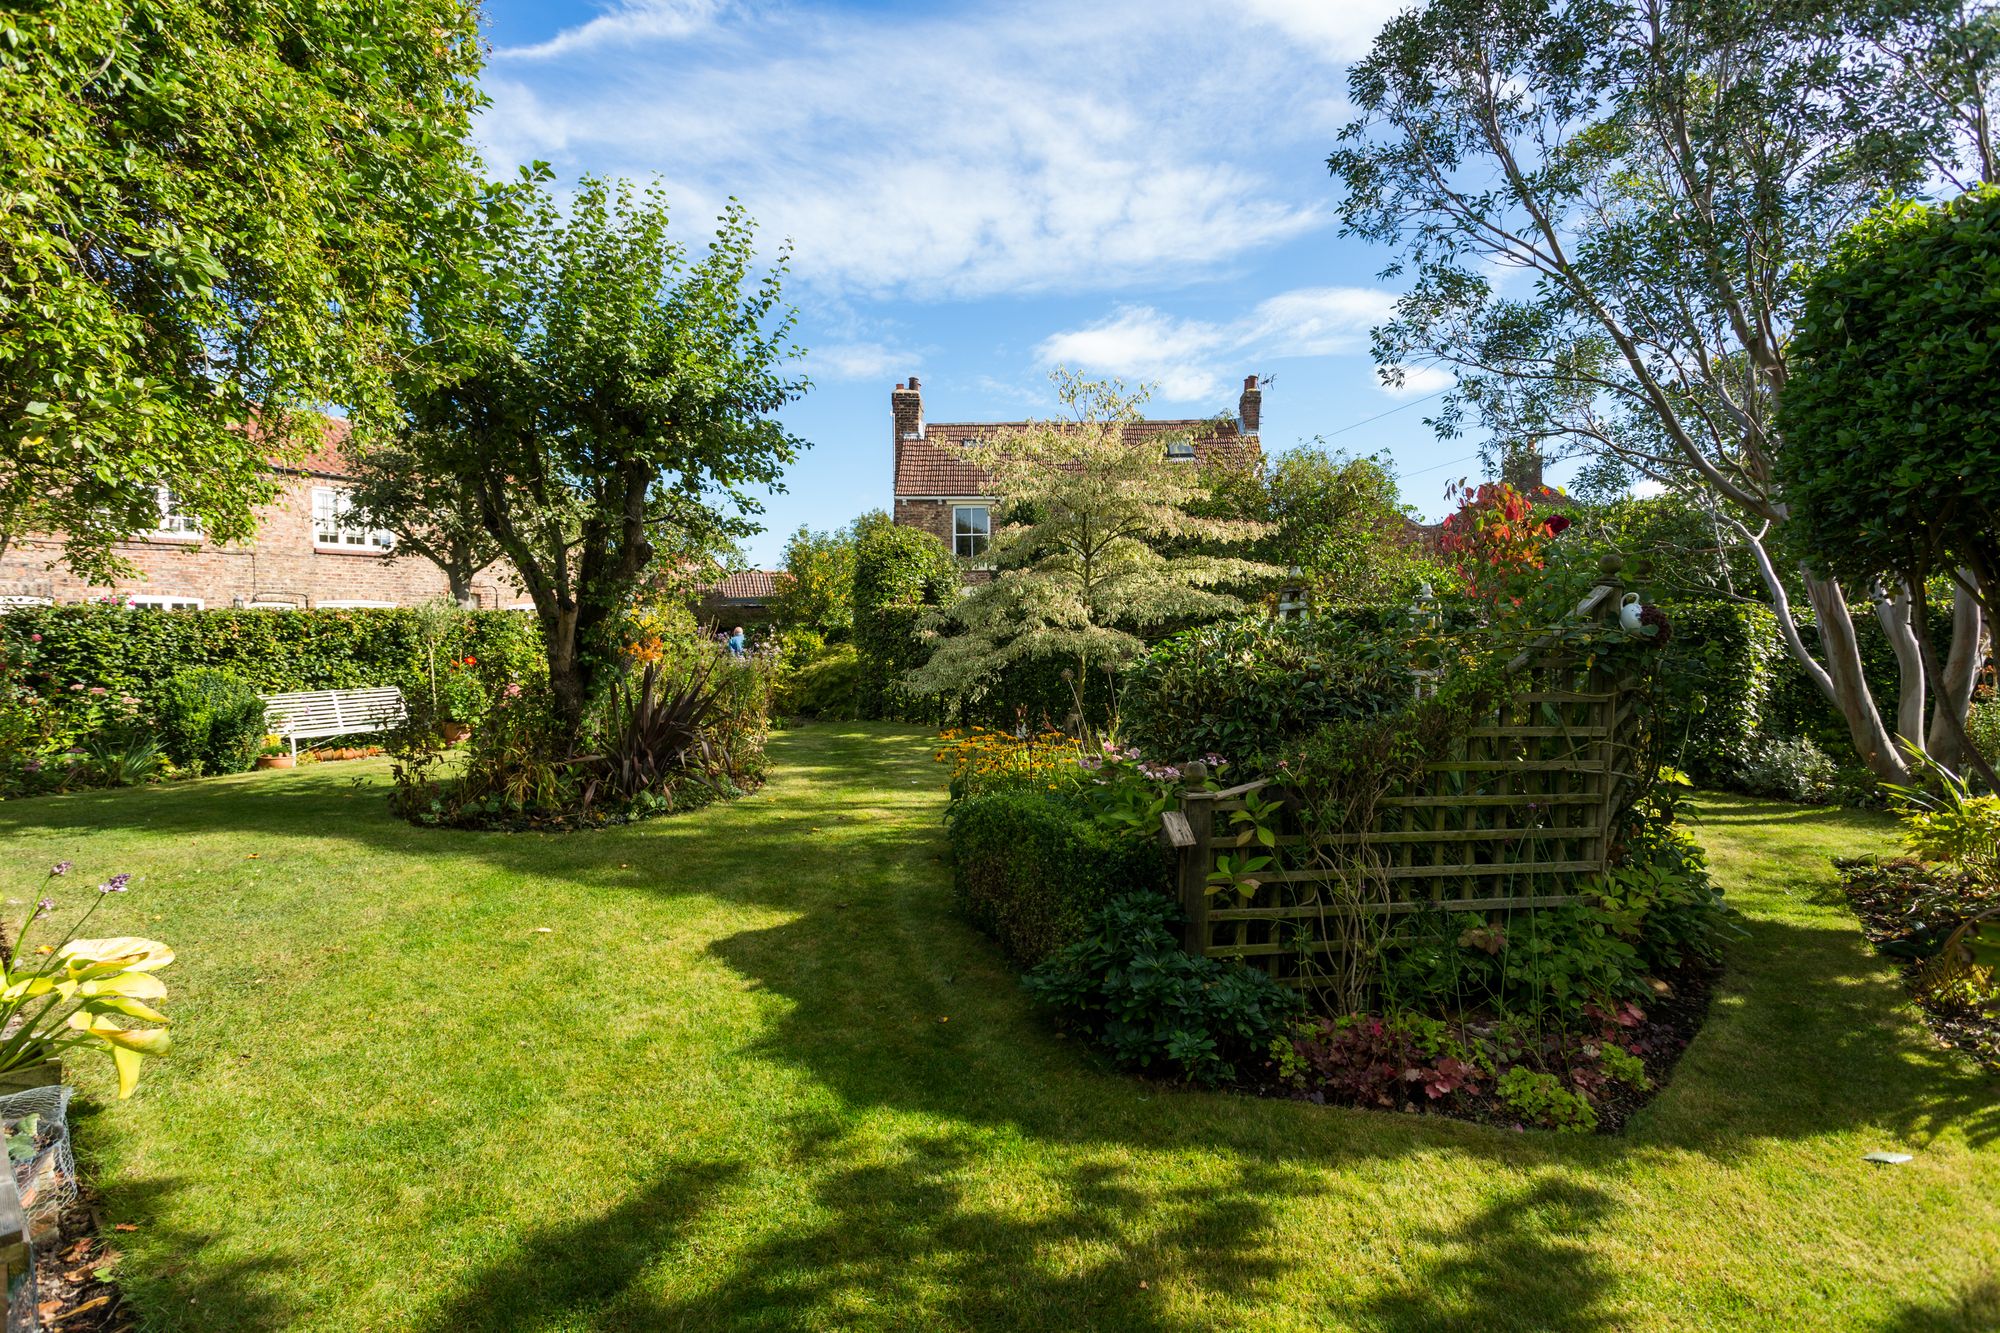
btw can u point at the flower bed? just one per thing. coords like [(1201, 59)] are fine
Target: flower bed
[(1909, 910)]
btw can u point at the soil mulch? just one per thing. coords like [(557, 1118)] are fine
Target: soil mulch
[(1907, 909), (75, 1275)]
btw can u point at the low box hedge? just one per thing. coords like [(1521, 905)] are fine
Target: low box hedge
[(1032, 869)]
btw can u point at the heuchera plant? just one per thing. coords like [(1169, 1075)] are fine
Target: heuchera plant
[(77, 992)]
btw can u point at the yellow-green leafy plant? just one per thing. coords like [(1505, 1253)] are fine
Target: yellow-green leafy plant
[(1943, 821), (82, 992)]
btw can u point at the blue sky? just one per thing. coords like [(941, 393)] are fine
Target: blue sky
[(977, 193)]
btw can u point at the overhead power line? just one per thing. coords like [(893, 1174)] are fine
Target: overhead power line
[(1400, 407)]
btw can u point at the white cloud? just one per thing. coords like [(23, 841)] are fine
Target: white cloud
[(857, 361), (1646, 488), (623, 25), (1185, 357), (1418, 381), (1046, 147), (1337, 30)]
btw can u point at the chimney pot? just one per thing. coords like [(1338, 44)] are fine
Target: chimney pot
[(1250, 407), (913, 384)]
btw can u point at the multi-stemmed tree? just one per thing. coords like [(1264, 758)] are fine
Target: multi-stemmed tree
[(1091, 557), (1607, 209)]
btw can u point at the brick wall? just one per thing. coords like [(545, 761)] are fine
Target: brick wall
[(933, 516), (280, 565)]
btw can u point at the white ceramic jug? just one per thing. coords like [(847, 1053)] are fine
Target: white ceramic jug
[(1628, 613)]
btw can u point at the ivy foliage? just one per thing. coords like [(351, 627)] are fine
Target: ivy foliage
[(1891, 419), (212, 209), (1129, 988)]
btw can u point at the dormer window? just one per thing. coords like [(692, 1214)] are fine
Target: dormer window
[(1180, 451)]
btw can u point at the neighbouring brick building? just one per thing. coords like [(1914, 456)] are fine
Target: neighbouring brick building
[(950, 498), (743, 598), (306, 553)]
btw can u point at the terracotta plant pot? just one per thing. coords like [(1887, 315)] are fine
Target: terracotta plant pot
[(454, 732), (275, 761)]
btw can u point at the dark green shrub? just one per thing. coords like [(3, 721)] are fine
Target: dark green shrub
[(1714, 684), (1128, 987), (901, 574), (1030, 866), (211, 721), (1254, 686)]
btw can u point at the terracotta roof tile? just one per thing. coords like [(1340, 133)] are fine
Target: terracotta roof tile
[(745, 585), (928, 467)]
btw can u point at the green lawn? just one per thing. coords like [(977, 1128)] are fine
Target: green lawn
[(757, 1074)]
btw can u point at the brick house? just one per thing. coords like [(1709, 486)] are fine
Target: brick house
[(305, 554), (951, 499)]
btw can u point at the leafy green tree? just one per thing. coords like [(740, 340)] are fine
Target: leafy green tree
[(1336, 518), (1655, 178), (1094, 554), (433, 515), (608, 398), (1892, 417), (816, 590), (212, 214)]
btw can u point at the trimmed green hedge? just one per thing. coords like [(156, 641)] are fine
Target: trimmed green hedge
[(901, 574), (1247, 688), (1715, 680), (137, 652), (211, 721), (1031, 869)]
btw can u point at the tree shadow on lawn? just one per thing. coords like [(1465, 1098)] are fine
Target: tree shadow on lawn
[(900, 1235), (896, 1003), (167, 1275)]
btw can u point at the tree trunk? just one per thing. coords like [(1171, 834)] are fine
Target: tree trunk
[(459, 580), (1894, 611), (1961, 670), (1846, 684)]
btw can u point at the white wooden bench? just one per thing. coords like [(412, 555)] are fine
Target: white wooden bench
[(310, 714)]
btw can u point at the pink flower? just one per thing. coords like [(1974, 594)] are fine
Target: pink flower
[(99, 689), (76, 689), (34, 638)]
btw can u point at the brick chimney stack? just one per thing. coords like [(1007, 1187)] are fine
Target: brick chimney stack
[(1250, 407), (906, 404)]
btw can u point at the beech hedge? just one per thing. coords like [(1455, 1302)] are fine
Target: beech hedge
[(137, 652)]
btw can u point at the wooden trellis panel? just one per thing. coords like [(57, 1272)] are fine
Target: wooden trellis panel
[(1512, 817)]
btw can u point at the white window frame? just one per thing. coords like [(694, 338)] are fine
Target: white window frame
[(15, 601), (353, 604), (162, 601), (330, 506), (270, 606), (173, 525), (1189, 457), (985, 536)]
